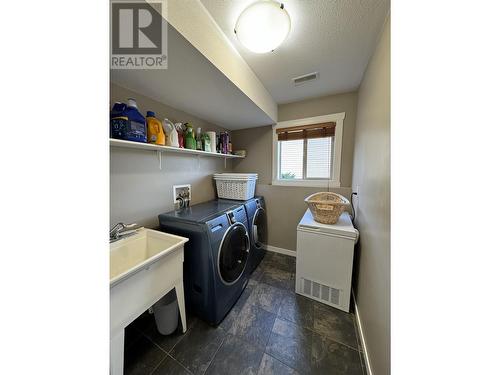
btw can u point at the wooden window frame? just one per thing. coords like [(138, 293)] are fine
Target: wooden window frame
[(334, 181)]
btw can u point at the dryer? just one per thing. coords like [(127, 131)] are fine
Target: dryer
[(257, 228), (216, 256)]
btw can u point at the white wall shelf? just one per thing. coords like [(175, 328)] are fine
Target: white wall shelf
[(159, 149)]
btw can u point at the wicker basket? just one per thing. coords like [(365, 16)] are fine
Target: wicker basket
[(239, 186), (326, 207)]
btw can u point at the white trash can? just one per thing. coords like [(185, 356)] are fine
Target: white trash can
[(166, 313)]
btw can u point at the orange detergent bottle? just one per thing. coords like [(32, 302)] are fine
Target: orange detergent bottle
[(155, 130)]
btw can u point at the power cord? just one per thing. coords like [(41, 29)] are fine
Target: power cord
[(352, 206)]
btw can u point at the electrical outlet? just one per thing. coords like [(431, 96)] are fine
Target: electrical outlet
[(184, 193)]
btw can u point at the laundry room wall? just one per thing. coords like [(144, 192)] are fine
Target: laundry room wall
[(371, 172), (139, 190), (285, 204)]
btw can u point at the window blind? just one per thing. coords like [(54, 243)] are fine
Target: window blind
[(323, 130), (319, 156), (292, 159)]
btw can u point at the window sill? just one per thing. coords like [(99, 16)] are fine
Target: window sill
[(307, 183)]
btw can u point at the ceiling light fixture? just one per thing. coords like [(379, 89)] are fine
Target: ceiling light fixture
[(263, 26)]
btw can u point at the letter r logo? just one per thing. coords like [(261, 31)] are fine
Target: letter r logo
[(136, 28)]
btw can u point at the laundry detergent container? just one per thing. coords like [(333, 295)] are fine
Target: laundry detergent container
[(127, 123), (239, 186)]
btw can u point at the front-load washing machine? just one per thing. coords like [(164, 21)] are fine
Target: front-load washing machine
[(257, 228), (216, 256)]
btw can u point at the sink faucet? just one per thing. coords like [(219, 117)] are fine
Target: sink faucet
[(122, 230)]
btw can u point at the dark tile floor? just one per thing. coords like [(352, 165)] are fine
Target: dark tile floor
[(270, 330)]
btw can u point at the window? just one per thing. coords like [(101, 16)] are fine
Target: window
[(305, 157), (307, 151)]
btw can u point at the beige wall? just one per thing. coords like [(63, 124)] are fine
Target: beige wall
[(139, 190), (285, 205), (371, 172)]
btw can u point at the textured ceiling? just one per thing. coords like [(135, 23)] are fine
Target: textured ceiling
[(333, 37)]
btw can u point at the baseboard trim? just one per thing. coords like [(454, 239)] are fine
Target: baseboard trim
[(281, 250), (363, 343)]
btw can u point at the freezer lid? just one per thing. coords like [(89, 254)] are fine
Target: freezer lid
[(342, 227)]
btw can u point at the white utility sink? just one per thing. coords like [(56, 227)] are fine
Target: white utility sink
[(143, 268), (133, 253)]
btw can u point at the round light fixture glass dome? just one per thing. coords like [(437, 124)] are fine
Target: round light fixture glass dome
[(263, 26)]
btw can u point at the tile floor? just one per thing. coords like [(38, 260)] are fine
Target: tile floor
[(270, 330)]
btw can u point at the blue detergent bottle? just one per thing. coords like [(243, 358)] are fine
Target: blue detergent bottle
[(137, 130), (118, 121), (127, 123)]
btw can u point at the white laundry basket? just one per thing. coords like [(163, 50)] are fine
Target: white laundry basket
[(239, 186)]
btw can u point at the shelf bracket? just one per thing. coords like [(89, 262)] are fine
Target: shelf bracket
[(158, 153), (225, 163)]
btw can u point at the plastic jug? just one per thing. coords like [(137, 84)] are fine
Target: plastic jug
[(213, 141), (127, 123), (180, 133), (199, 140), (155, 130), (136, 123), (207, 146), (189, 139), (118, 121), (224, 142), (172, 138)]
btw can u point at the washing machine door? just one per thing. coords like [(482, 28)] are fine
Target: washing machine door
[(259, 228), (233, 253)]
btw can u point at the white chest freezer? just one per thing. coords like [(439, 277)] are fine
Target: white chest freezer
[(324, 260)]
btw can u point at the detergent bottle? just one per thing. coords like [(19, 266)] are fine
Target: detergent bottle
[(127, 123), (180, 133), (136, 123), (199, 140), (155, 130), (171, 135), (118, 121), (206, 143), (189, 139)]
